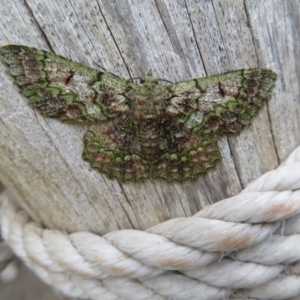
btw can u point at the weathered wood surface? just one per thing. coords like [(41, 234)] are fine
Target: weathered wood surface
[(179, 40)]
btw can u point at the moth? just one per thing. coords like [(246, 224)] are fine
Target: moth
[(145, 129)]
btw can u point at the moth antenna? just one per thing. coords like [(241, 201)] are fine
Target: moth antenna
[(164, 80)]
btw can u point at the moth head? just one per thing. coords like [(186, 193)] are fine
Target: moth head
[(149, 80)]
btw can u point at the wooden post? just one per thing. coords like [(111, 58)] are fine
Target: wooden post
[(41, 158)]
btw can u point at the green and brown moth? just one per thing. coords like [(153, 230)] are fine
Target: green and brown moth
[(143, 130)]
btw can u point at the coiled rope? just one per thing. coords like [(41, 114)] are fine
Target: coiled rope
[(244, 247)]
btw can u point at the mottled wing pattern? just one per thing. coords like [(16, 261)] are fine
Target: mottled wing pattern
[(107, 150), (211, 107), (199, 155), (121, 159), (64, 89), (221, 104)]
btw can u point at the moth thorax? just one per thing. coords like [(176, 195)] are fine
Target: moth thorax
[(148, 108)]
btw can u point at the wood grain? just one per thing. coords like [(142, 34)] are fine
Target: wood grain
[(178, 39)]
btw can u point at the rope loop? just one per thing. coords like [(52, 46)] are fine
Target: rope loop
[(243, 247)]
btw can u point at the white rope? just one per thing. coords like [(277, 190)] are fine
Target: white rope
[(244, 247)]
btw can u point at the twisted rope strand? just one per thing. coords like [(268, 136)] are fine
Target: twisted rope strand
[(181, 258), (239, 277), (273, 206)]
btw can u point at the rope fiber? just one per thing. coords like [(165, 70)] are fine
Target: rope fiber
[(243, 247)]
